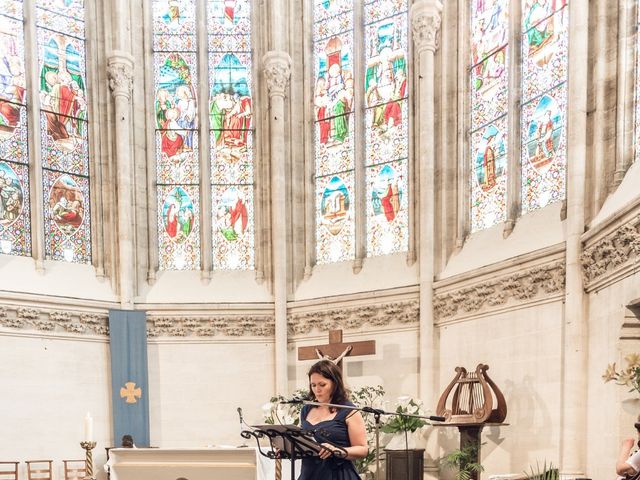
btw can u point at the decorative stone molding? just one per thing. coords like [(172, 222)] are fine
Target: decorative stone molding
[(120, 71), (277, 70), (425, 24), (234, 326), (518, 287), (16, 317), (354, 317), (611, 252)]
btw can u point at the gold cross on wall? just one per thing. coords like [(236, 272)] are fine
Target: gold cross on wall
[(131, 392)]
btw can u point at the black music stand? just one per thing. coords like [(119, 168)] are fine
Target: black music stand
[(289, 442)]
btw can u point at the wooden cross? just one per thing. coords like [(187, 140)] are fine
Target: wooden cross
[(336, 350)]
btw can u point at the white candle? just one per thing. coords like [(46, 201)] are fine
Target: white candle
[(88, 428)]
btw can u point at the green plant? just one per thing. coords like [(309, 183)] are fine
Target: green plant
[(368, 397), (630, 376), (465, 461), (545, 473), (402, 423)]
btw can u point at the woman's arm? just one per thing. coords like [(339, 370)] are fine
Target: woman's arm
[(357, 437), (622, 467)]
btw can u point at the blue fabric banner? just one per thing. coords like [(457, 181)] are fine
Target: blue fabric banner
[(129, 376)]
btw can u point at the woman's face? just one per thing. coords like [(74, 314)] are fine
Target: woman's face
[(321, 387)]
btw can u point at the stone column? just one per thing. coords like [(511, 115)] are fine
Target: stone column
[(120, 70), (277, 70), (575, 340), (425, 23)]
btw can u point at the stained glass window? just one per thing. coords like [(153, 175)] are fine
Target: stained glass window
[(334, 129), (544, 99), (15, 221), (231, 133), (489, 96), (176, 117), (387, 125), (60, 32)]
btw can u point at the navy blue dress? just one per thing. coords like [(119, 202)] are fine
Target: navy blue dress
[(336, 432)]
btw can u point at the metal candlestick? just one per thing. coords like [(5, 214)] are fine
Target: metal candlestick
[(88, 446)]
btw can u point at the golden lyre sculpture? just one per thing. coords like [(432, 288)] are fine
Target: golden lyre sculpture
[(474, 398)]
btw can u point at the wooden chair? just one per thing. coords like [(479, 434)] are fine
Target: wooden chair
[(9, 470), (39, 469), (75, 469)]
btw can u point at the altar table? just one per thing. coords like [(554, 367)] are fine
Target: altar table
[(189, 464)]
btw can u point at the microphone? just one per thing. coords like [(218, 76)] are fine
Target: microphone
[(294, 400), (240, 415), (239, 409), (436, 418)]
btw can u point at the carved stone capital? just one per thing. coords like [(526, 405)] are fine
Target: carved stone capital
[(120, 71), (277, 71), (425, 24)]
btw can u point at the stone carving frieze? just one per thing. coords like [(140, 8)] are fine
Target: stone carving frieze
[(354, 317), (44, 320), (231, 325), (612, 251), (518, 287), (82, 323)]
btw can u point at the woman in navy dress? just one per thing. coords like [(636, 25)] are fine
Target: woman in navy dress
[(337, 426)]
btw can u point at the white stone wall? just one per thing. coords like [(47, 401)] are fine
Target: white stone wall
[(499, 295)]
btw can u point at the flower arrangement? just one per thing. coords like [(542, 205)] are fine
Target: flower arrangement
[(630, 376), (275, 412)]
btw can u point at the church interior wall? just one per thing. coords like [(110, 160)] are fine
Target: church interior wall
[(611, 338), (49, 383), (394, 365), (378, 273), (523, 348), (196, 387)]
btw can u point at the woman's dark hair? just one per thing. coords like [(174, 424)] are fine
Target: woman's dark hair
[(330, 370)]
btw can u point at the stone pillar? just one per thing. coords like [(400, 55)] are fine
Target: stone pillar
[(425, 23), (277, 70), (574, 384), (120, 70)]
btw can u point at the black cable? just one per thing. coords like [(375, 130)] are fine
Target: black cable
[(406, 446)]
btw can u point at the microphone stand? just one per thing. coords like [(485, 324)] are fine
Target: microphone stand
[(377, 413), (244, 444)]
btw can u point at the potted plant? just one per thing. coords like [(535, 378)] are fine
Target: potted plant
[(546, 473), (465, 461)]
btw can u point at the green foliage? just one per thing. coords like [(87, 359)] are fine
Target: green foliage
[(545, 473), (464, 460), (370, 397), (401, 423)]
